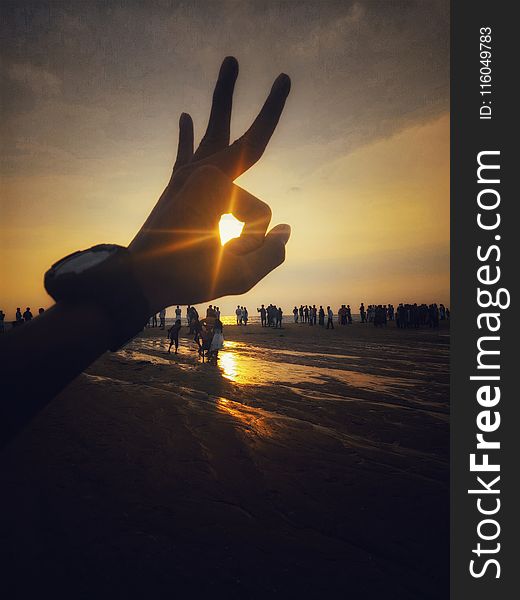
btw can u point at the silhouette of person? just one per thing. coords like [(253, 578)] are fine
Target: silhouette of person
[(217, 341), (330, 320), (27, 315), (178, 312), (173, 334), (263, 315)]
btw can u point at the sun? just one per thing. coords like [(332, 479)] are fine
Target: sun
[(229, 228)]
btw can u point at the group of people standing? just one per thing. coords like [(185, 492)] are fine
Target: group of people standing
[(312, 315), (20, 318), (208, 332), (272, 316), (422, 315), (242, 315), (378, 314), (406, 315), (158, 319)]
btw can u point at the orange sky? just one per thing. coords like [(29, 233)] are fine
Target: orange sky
[(359, 165)]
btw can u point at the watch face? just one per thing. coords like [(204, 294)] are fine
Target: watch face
[(83, 261)]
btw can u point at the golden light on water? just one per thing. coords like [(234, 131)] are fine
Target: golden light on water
[(228, 363), (229, 228), (255, 422)]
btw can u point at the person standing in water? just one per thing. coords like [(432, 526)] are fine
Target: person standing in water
[(217, 341), (162, 318), (173, 335)]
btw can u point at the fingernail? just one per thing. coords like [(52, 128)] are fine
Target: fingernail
[(284, 232), (283, 82), (230, 64)]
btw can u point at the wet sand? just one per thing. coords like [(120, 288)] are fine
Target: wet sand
[(308, 463)]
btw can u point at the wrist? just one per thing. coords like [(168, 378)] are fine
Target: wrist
[(102, 277), (149, 282)]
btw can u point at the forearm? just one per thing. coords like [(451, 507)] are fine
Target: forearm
[(40, 358)]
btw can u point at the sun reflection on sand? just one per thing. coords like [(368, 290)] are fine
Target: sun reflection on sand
[(228, 364), (236, 365), (253, 420)]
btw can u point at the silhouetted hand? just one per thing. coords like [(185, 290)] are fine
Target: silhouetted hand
[(178, 254)]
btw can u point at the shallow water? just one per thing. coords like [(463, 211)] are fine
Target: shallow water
[(387, 396)]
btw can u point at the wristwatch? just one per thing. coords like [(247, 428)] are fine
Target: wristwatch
[(104, 276)]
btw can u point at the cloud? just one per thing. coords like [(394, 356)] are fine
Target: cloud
[(361, 70), (39, 80)]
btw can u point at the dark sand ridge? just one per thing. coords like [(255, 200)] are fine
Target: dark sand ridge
[(309, 462)]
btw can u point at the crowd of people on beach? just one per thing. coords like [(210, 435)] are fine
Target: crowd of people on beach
[(242, 315), (20, 318), (312, 315), (405, 316), (208, 332), (271, 316)]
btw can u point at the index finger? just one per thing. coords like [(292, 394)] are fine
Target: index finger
[(247, 150)]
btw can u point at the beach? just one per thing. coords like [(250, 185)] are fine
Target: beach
[(308, 462)]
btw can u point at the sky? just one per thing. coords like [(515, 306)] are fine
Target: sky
[(91, 93)]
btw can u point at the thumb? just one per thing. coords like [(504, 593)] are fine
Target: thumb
[(255, 265)]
